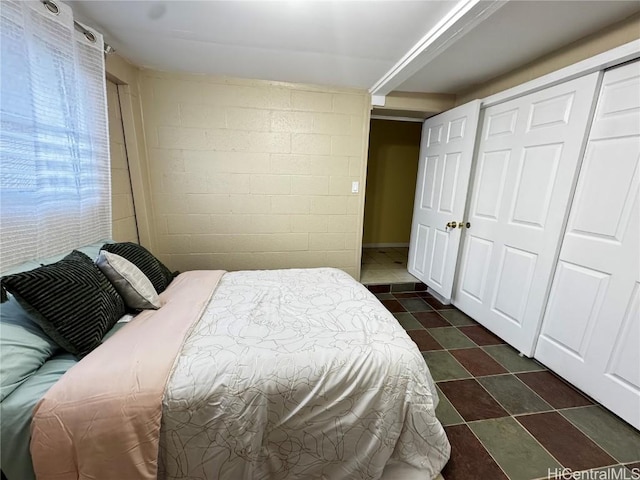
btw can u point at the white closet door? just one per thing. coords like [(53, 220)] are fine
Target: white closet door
[(591, 329), (525, 169), (446, 152)]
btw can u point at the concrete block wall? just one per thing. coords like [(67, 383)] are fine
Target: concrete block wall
[(251, 174)]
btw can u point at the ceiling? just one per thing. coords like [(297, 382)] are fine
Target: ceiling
[(347, 43)]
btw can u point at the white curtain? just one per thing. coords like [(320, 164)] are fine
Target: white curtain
[(55, 181)]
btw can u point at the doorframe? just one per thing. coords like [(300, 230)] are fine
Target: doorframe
[(363, 174), (125, 76)]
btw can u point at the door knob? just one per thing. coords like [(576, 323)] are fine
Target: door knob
[(463, 225), (452, 225)]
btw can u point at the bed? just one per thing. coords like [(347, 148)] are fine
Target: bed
[(282, 374)]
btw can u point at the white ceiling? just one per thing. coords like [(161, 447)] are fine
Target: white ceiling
[(516, 34), (341, 43)]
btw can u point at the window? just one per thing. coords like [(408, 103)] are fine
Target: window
[(55, 191)]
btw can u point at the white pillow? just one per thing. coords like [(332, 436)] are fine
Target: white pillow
[(129, 281)]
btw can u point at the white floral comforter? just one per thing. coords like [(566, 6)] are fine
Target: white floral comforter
[(298, 374)]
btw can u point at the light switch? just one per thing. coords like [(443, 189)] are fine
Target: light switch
[(355, 187)]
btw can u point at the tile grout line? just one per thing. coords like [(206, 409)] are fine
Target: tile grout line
[(479, 420), (586, 434), (486, 450), (513, 416)]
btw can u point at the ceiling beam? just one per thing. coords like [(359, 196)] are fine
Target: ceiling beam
[(464, 17)]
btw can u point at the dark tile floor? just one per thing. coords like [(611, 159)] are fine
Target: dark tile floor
[(506, 416)]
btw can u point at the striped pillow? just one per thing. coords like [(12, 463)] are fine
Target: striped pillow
[(153, 268), (71, 300)]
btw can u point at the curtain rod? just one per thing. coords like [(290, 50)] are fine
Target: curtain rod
[(53, 8)]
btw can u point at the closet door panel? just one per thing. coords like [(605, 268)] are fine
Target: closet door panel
[(526, 167), (446, 152), (591, 329)]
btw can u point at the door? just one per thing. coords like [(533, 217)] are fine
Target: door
[(446, 152), (526, 166), (591, 329)]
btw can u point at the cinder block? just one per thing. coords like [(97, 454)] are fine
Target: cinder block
[(270, 184), (173, 243), (240, 141), (251, 203), (202, 116), (168, 160), (339, 185), (281, 242), (355, 167), (352, 240), (263, 97), (326, 241), (164, 203), (218, 183), (343, 223), (331, 123), (188, 224), (163, 111), (329, 205), (208, 203), (311, 144), (230, 224), (309, 223), (311, 101), (211, 243), (227, 183), (289, 204), (346, 145), (309, 185), (294, 122), (248, 119), (309, 164), (341, 259), (185, 262), (160, 223), (297, 259), (349, 103), (199, 162), (355, 206), (182, 138), (270, 224)]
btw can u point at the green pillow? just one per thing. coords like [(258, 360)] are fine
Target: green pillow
[(24, 347)]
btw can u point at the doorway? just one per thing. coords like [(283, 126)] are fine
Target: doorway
[(392, 168)]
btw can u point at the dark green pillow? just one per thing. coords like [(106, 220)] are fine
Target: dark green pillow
[(142, 258), (71, 300)]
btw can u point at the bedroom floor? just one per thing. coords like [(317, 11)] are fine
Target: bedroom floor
[(385, 265), (506, 416)]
